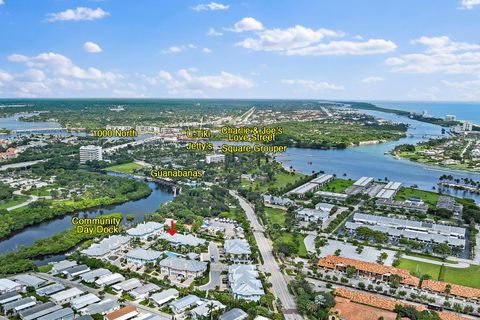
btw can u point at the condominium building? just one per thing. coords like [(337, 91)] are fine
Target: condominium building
[(90, 153)]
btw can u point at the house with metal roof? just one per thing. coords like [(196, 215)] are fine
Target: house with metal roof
[(103, 307), (83, 301), (244, 282), (109, 279), (238, 250), (16, 306), (75, 271), (181, 267), (62, 265), (185, 303), (50, 289), (165, 296), (143, 292), (7, 285), (183, 239), (91, 276), (9, 297), (127, 285), (66, 295), (234, 314), (106, 246), (38, 311), (62, 314), (143, 256), (145, 230), (205, 309), (29, 280)]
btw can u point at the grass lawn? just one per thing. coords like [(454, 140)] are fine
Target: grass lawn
[(12, 202), (337, 185), (302, 251), (428, 197), (125, 168), (46, 268), (462, 276), (275, 216), (281, 180), (229, 214)]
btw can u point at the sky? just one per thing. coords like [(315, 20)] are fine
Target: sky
[(338, 49)]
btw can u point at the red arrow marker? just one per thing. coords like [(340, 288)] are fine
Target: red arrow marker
[(172, 230)]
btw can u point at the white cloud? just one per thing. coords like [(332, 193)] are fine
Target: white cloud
[(188, 82), (206, 50), (313, 85), (5, 76), (2, 2), (469, 4), (210, 6), (247, 24), (214, 33), (92, 47), (178, 49), (60, 65), (372, 79), (78, 14), (303, 41), (441, 55)]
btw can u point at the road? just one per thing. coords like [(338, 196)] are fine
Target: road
[(216, 268), (270, 265), (69, 283), (31, 198)]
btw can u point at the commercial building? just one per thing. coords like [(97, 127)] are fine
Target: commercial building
[(145, 230), (244, 282), (234, 314), (106, 246), (90, 153), (368, 269), (183, 240), (62, 314), (141, 293), (124, 313), (332, 195), (83, 301), (66, 295), (468, 293), (50, 289), (181, 305), (389, 191), (29, 280), (409, 205), (215, 158), (143, 256), (127, 285), (38, 311), (238, 250), (109, 279), (180, 267), (422, 231), (165, 296), (312, 185)]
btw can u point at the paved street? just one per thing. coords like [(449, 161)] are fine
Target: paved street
[(279, 284), (216, 268)]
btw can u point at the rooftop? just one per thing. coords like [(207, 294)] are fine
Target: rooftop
[(237, 246), (178, 263), (121, 312), (143, 254)]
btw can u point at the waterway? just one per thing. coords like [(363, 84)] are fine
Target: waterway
[(138, 208), (372, 160)]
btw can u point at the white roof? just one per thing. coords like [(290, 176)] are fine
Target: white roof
[(84, 301), (363, 181), (29, 280), (237, 246), (110, 279), (183, 239), (143, 254), (145, 229), (8, 285), (106, 245), (164, 296), (65, 294)]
